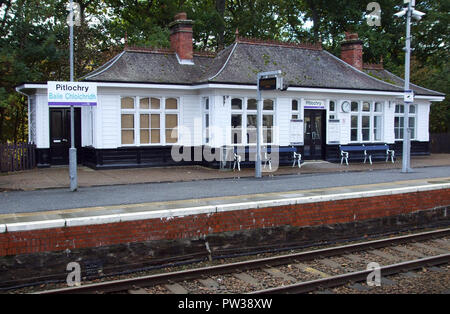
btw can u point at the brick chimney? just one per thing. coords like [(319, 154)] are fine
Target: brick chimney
[(181, 38), (352, 50)]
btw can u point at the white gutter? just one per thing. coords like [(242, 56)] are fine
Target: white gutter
[(244, 87)]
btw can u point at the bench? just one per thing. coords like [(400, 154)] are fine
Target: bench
[(267, 159), (368, 150)]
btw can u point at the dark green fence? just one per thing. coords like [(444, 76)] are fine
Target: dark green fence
[(17, 157)]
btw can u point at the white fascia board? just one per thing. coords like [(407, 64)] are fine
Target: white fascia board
[(431, 98), (244, 87)]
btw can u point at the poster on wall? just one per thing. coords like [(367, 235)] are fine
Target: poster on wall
[(72, 94), (296, 132), (334, 131)]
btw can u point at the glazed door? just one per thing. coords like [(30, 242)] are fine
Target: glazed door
[(314, 137), (60, 134)]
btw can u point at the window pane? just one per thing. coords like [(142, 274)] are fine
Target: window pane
[(206, 120), (171, 121), (268, 104), (251, 120), (155, 121), (145, 121), (127, 103), (377, 128), (412, 109), (145, 136), (206, 103), (144, 103), (236, 131), (366, 106), (156, 136), (332, 106), (354, 135), (127, 137), (294, 105), (236, 120), (365, 121), (399, 108), (354, 122), (171, 103), (251, 129), (252, 104), (267, 135), (236, 104), (156, 103), (378, 107), (412, 126), (365, 134), (354, 106), (171, 135), (268, 121), (294, 117), (127, 121)]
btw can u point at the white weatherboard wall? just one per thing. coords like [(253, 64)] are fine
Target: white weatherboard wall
[(388, 122), (422, 122), (42, 122), (191, 121), (283, 120)]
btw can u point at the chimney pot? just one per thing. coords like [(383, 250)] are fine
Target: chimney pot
[(181, 38), (352, 50)]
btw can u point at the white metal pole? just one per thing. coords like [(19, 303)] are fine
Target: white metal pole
[(258, 173), (406, 130), (73, 150)]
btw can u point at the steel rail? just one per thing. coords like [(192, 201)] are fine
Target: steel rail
[(340, 280), (152, 280)]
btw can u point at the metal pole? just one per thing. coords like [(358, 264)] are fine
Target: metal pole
[(406, 131), (258, 173), (73, 150)]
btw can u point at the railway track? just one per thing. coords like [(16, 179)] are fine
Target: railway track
[(292, 273)]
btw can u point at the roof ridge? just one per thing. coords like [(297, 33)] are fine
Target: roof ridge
[(199, 53), (277, 43)]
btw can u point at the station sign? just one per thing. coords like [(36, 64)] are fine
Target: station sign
[(314, 104), (72, 94), (268, 83), (409, 96)]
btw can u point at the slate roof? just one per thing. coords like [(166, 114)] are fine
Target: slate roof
[(239, 63), (384, 75)]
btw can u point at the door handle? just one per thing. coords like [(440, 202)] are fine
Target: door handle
[(64, 140)]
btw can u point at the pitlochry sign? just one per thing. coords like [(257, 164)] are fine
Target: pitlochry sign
[(72, 94)]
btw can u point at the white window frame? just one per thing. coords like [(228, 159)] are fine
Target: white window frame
[(332, 114), (371, 114), (245, 112), (297, 112), (162, 111), (206, 114), (401, 116)]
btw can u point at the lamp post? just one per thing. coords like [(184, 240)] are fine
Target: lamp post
[(409, 11), (72, 151)]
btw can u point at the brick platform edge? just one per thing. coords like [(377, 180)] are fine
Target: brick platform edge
[(110, 248)]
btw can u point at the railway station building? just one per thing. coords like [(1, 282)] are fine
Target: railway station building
[(151, 99)]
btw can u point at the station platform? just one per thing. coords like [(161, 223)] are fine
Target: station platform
[(109, 239), (96, 215)]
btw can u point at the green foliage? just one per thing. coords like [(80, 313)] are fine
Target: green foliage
[(34, 38)]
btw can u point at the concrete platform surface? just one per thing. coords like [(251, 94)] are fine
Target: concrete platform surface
[(58, 177), (169, 209)]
